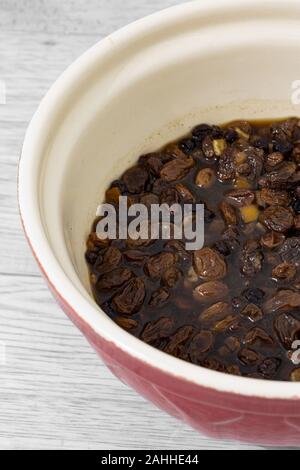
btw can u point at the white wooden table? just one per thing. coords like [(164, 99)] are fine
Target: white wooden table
[(54, 391)]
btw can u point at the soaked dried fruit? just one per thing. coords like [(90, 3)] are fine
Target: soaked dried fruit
[(277, 218), (126, 323), (249, 357), (251, 258), (284, 271), (228, 213), (272, 240), (290, 251), (200, 344), (113, 279), (176, 169), (207, 147), (205, 178), (209, 264), (273, 159), (269, 367), (210, 291), (254, 295), (217, 312), (110, 260), (131, 299), (287, 328), (157, 330), (253, 312), (258, 337), (171, 276), (279, 176), (135, 179), (223, 325), (158, 264), (178, 339), (185, 194), (283, 300), (274, 197), (159, 297), (112, 195), (240, 197)]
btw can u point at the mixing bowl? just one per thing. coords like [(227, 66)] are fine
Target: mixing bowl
[(139, 88)]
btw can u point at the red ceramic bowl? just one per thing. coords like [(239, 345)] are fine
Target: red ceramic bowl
[(139, 88)]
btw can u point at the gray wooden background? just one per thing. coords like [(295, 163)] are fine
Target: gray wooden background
[(54, 391)]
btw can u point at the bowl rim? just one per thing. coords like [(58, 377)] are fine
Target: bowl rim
[(87, 310)]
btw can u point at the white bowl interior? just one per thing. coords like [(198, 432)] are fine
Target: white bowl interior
[(147, 85)]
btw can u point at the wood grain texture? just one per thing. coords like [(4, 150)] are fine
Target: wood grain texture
[(54, 391)]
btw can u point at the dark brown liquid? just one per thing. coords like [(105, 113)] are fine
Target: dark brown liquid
[(258, 347)]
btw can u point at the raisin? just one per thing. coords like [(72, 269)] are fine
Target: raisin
[(112, 195), (187, 145), (259, 338), (284, 271), (211, 291), (156, 265), (290, 251), (251, 258), (205, 178), (227, 167), (113, 279), (272, 240), (296, 206), (200, 344), (126, 323), (135, 256), (185, 194), (132, 297), (157, 329), (201, 131), (231, 136), (223, 247), (284, 299), (287, 328), (153, 162), (135, 179), (248, 357), (240, 197), (269, 367), (208, 148), (176, 169), (277, 218), (216, 312), (279, 176), (109, 261), (253, 312), (178, 339), (232, 343), (228, 213), (159, 297), (283, 147), (209, 264), (171, 276), (274, 197)]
